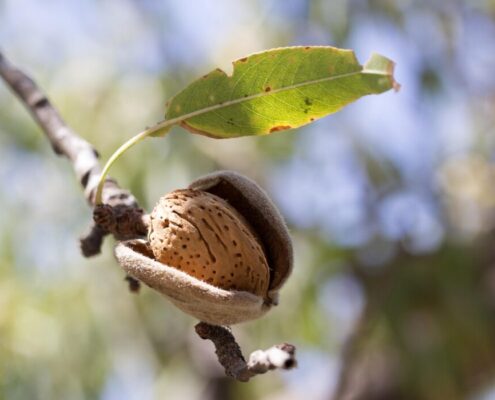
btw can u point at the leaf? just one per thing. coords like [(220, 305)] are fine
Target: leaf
[(278, 89), (270, 91)]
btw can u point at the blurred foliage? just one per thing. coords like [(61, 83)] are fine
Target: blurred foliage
[(390, 202)]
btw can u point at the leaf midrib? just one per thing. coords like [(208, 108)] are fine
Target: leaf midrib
[(169, 122)]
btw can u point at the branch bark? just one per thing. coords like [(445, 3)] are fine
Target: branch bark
[(229, 354), (81, 154)]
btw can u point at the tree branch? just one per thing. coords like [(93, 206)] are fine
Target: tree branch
[(229, 354), (83, 157)]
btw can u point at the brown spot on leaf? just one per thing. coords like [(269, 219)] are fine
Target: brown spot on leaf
[(311, 119), (390, 70), (191, 129), (280, 128), (268, 88), (243, 59), (307, 47)]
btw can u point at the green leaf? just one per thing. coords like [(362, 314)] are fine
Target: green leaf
[(278, 89), (270, 91)]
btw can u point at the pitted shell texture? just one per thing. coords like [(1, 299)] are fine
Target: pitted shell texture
[(204, 236)]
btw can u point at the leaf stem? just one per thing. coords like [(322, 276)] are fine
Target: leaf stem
[(153, 131)]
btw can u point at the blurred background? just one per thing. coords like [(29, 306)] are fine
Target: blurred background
[(391, 202)]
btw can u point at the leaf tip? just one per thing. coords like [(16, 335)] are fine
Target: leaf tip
[(379, 64)]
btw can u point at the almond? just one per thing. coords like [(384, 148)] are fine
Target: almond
[(219, 250), (202, 235)]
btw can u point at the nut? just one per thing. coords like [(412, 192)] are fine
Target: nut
[(199, 233), (198, 236)]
